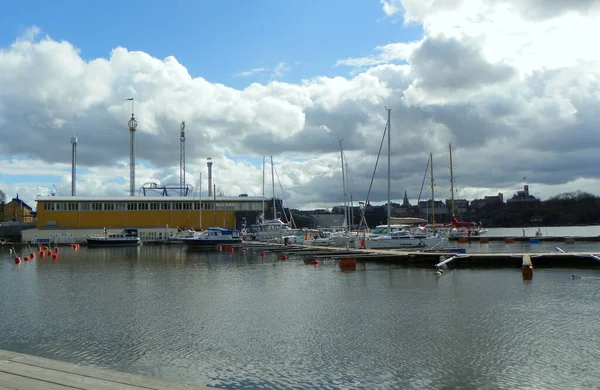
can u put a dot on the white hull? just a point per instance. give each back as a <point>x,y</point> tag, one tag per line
<point>404,243</point>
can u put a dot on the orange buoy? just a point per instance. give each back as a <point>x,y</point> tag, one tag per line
<point>17,260</point>
<point>348,264</point>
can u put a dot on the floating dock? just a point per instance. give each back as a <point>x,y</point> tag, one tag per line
<point>25,372</point>
<point>431,258</point>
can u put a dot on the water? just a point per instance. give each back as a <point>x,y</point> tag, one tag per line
<point>547,231</point>
<point>230,320</point>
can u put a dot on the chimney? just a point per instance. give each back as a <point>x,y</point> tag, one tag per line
<point>209,165</point>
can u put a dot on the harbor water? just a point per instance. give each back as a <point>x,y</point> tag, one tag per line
<point>241,321</point>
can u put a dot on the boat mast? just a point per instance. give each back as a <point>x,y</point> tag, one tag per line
<point>389,189</point>
<point>273,181</point>
<point>451,180</point>
<point>344,186</point>
<point>200,196</point>
<point>263,191</point>
<point>432,192</point>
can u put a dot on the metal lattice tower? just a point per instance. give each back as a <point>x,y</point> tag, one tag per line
<point>182,159</point>
<point>209,165</point>
<point>132,126</point>
<point>73,161</point>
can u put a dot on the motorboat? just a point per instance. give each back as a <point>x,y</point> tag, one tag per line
<point>211,238</point>
<point>127,237</point>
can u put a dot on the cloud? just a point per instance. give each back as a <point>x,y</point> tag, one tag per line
<point>279,70</point>
<point>391,7</point>
<point>250,72</point>
<point>393,52</point>
<point>516,95</point>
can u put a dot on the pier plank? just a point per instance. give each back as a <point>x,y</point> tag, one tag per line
<point>32,370</point>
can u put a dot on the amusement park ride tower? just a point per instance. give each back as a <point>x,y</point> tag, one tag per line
<point>132,126</point>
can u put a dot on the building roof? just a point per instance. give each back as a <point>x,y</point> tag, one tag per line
<point>50,198</point>
<point>21,202</point>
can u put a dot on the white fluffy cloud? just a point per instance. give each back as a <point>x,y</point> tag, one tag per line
<point>513,85</point>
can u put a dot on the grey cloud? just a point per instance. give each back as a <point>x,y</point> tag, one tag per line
<point>445,64</point>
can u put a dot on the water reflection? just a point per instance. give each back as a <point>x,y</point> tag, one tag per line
<point>236,320</point>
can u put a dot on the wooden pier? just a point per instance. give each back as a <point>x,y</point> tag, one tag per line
<point>431,258</point>
<point>25,372</point>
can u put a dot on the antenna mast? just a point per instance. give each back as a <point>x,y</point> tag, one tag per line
<point>182,190</point>
<point>74,161</point>
<point>451,180</point>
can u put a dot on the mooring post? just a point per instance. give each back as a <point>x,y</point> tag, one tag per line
<point>527,267</point>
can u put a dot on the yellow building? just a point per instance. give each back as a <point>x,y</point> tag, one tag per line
<point>89,212</point>
<point>17,211</point>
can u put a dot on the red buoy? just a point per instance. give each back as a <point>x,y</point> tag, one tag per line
<point>56,250</point>
<point>315,261</point>
<point>54,256</point>
<point>32,255</point>
<point>284,257</point>
<point>26,258</point>
<point>42,255</point>
<point>17,260</point>
<point>262,254</point>
<point>49,252</point>
<point>219,248</point>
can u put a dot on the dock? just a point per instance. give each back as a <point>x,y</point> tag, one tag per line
<point>25,372</point>
<point>431,258</point>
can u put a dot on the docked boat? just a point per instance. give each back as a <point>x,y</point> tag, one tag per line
<point>404,239</point>
<point>178,237</point>
<point>401,237</point>
<point>269,230</point>
<point>212,238</point>
<point>127,237</point>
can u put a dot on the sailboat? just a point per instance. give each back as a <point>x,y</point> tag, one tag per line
<point>398,236</point>
<point>460,229</point>
<point>269,229</point>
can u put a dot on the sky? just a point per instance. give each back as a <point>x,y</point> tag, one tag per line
<point>512,85</point>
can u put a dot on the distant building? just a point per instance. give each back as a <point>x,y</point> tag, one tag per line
<point>17,211</point>
<point>442,214</point>
<point>461,206</point>
<point>523,199</point>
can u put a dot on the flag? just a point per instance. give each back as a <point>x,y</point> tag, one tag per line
<point>129,99</point>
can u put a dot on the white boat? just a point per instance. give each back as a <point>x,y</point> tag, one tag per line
<point>404,239</point>
<point>269,230</point>
<point>127,237</point>
<point>306,237</point>
<point>211,238</point>
<point>179,236</point>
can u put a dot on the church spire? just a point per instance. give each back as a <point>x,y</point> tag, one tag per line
<point>405,203</point>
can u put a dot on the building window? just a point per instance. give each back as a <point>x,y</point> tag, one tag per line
<point>154,206</point>
<point>84,206</point>
<point>97,206</point>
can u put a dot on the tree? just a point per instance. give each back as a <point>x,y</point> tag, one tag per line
<point>2,197</point>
